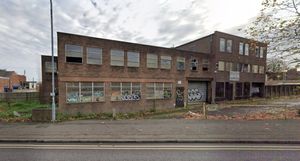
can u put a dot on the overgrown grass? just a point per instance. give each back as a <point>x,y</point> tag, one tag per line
<point>157,114</point>
<point>24,108</point>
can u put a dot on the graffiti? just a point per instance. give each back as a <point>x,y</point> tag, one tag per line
<point>195,95</point>
<point>128,97</point>
<point>179,97</point>
<point>73,97</point>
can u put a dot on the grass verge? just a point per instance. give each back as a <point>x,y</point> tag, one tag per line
<point>23,108</point>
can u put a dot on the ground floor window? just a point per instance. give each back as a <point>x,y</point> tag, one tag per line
<point>158,90</point>
<point>239,89</point>
<point>125,91</point>
<point>246,89</point>
<point>77,92</point>
<point>220,89</point>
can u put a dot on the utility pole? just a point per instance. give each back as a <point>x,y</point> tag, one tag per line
<point>52,52</point>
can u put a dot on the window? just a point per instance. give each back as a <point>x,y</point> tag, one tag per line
<point>158,90</point>
<point>220,89</point>
<point>125,91</point>
<point>229,46</point>
<point>221,65</point>
<point>254,68</point>
<point>84,92</point>
<point>239,67</point>
<point>222,44</point>
<point>261,52</point>
<point>194,64</point>
<point>257,51</point>
<point>133,59</point>
<point>261,69</point>
<point>72,92</point>
<point>241,48</point>
<point>48,67</point>
<point>73,53</point>
<point>115,91</point>
<point>152,61</point>
<point>246,49</point>
<point>205,64</point>
<point>246,68</point>
<point>229,66</point>
<point>94,55</point>
<point>180,63</point>
<point>116,57</point>
<point>165,62</point>
<point>98,92</point>
<point>239,89</point>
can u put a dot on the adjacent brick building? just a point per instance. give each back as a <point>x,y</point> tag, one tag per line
<point>239,65</point>
<point>10,80</point>
<point>99,75</point>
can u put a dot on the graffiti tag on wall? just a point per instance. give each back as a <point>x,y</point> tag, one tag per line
<point>195,95</point>
<point>128,97</point>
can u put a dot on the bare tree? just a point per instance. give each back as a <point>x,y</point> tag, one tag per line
<point>279,25</point>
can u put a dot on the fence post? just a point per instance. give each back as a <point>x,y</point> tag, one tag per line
<point>204,110</point>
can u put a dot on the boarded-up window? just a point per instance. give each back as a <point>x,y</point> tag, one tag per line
<point>133,59</point>
<point>221,65</point>
<point>116,57</point>
<point>94,55</point>
<point>152,61</point>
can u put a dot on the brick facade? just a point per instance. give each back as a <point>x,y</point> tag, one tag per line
<point>199,74</point>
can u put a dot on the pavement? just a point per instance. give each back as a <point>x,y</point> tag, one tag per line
<point>156,131</point>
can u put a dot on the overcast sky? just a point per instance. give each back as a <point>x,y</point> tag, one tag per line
<point>25,24</point>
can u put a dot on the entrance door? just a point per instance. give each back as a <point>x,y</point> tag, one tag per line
<point>228,91</point>
<point>179,97</point>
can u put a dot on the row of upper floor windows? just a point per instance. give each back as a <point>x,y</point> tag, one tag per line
<point>74,54</point>
<point>226,45</point>
<point>240,67</point>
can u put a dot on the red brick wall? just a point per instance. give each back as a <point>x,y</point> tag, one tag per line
<point>69,72</point>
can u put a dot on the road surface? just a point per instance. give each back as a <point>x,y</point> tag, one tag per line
<point>148,152</point>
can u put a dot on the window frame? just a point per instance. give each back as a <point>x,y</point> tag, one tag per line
<point>180,61</point>
<point>121,58</point>
<point>67,52</point>
<point>164,59</point>
<point>133,61</point>
<point>100,54</point>
<point>154,58</point>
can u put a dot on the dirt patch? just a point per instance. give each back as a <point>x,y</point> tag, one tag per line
<point>261,115</point>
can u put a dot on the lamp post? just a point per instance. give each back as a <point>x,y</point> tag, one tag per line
<point>52,62</point>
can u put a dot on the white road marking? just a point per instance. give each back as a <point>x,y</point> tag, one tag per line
<point>198,147</point>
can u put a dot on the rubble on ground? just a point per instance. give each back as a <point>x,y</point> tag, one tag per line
<point>261,115</point>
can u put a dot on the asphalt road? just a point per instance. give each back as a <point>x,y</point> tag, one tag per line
<point>149,152</point>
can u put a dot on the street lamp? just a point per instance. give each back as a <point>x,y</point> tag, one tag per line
<point>52,62</point>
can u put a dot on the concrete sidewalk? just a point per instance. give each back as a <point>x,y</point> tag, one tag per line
<point>169,130</point>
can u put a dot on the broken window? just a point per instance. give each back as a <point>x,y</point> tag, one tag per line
<point>205,65</point>
<point>73,53</point>
<point>194,64</point>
